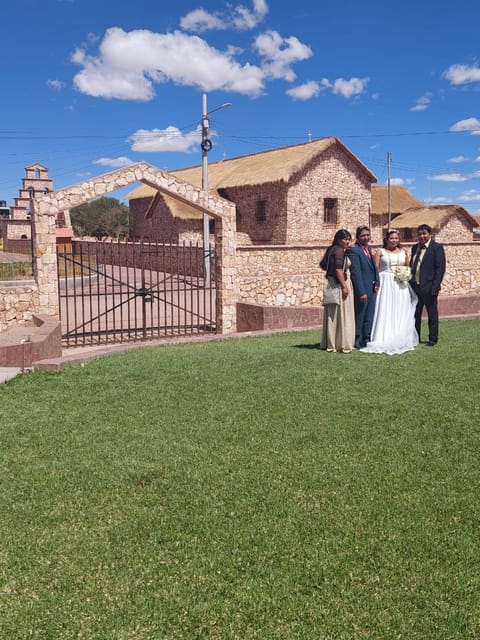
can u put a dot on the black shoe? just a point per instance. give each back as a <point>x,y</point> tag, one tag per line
<point>431,343</point>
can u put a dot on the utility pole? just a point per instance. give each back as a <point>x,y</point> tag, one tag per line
<point>389,198</point>
<point>206,146</point>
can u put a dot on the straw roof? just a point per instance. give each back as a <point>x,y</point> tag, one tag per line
<point>275,165</point>
<point>401,199</point>
<point>435,216</point>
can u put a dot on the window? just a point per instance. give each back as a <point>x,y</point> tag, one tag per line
<point>261,210</point>
<point>31,191</point>
<point>407,234</point>
<point>330,210</point>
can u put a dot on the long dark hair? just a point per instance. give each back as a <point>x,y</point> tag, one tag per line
<point>341,234</point>
<point>390,232</point>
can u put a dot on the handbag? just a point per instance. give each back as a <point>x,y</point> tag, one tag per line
<point>331,296</point>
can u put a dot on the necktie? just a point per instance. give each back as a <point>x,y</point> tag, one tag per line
<point>416,260</point>
<point>366,252</point>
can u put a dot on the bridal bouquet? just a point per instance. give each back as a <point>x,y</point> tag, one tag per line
<point>402,274</point>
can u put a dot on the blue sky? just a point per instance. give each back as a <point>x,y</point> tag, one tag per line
<point>92,86</point>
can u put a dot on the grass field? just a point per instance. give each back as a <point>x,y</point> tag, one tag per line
<point>15,270</point>
<point>245,488</point>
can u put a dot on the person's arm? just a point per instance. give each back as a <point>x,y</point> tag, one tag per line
<point>339,258</point>
<point>376,257</point>
<point>440,265</point>
<point>341,279</point>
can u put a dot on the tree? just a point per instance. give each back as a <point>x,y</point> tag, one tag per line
<point>103,217</point>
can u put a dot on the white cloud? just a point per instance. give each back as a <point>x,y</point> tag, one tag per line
<point>422,103</point>
<point>280,53</point>
<point>472,195</point>
<point>57,85</point>
<point>349,88</point>
<point>129,63</point>
<point>239,18</point>
<point>409,180</point>
<point>450,177</point>
<point>477,159</point>
<point>245,19</point>
<point>346,88</point>
<point>457,159</point>
<point>469,124</point>
<point>396,182</point>
<point>169,139</point>
<point>462,74</point>
<point>122,161</point>
<point>200,20</point>
<point>305,91</point>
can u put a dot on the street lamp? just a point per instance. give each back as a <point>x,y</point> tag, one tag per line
<point>206,145</point>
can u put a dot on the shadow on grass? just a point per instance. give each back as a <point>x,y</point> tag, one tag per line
<point>316,345</point>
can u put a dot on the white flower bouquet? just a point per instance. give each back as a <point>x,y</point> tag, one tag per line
<point>402,273</point>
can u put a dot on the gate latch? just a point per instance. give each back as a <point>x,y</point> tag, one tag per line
<point>146,294</point>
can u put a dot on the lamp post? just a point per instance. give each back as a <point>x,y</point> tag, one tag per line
<point>206,145</point>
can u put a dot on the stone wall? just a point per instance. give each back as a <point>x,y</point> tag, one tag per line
<point>333,175</point>
<point>456,230</point>
<point>162,226</point>
<point>17,304</point>
<point>273,228</point>
<point>290,275</point>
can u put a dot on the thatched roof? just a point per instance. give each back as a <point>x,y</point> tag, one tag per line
<point>435,216</point>
<point>401,199</point>
<point>275,165</point>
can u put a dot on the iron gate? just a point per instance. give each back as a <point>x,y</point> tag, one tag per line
<point>126,291</point>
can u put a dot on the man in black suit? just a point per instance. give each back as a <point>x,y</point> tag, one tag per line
<point>428,268</point>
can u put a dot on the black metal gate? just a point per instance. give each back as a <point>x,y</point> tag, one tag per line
<point>126,291</point>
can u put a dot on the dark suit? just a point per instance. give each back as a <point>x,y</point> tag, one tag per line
<point>432,270</point>
<point>365,281</point>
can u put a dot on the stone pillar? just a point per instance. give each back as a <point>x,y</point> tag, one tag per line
<point>225,273</point>
<point>45,256</point>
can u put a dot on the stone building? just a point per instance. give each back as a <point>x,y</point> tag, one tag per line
<point>400,198</point>
<point>17,230</point>
<point>297,194</point>
<point>450,223</point>
<point>35,182</point>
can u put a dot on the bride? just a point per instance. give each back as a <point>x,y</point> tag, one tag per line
<point>393,329</point>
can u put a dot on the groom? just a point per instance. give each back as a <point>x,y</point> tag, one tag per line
<point>428,268</point>
<point>365,282</point>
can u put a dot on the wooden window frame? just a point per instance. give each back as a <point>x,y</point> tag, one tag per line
<point>330,211</point>
<point>261,213</point>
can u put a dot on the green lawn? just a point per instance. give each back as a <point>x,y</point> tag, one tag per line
<point>244,488</point>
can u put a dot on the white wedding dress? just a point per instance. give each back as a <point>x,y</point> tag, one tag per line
<point>393,329</point>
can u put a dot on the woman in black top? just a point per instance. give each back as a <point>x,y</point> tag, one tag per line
<point>338,320</point>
